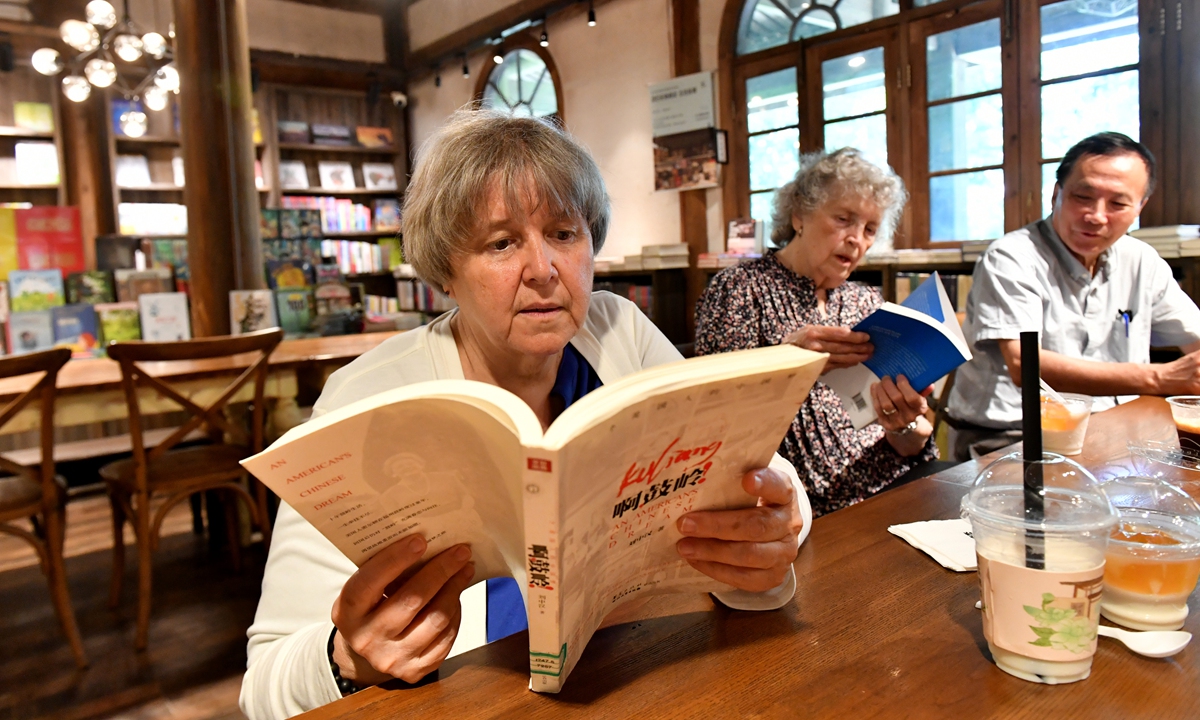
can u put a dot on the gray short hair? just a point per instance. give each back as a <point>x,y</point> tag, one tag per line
<point>455,170</point>
<point>827,175</point>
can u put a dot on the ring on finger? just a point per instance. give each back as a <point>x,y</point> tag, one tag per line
<point>889,412</point>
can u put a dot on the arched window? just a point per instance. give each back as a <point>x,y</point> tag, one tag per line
<point>525,84</point>
<point>770,23</point>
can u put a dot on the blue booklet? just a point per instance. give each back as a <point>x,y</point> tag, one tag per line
<point>919,339</point>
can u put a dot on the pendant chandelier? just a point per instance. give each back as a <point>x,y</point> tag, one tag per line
<point>114,54</point>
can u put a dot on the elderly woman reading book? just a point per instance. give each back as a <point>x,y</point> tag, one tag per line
<point>835,208</point>
<point>505,215</point>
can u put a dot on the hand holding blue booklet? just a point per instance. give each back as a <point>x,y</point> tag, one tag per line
<point>919,339</point>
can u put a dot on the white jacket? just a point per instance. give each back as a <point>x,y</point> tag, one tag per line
<point>287,666</point>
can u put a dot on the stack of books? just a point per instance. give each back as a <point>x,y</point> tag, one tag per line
<point>722,260</point>
<point>663,257</point>
<point>972,250</point>
<point>1171,241</point>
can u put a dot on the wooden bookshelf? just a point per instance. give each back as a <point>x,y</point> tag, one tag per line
<point>339,193</point>
<point>24,84</point>
<point>338,149</point>
<point>668,297</point>
<point>160,146</point>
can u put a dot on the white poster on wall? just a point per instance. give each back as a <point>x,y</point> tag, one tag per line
<point>682,104</point>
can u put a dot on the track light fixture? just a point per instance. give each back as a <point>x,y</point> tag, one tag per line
<point>545,39</point>
<point>591,13</point>
<point>466,70</point>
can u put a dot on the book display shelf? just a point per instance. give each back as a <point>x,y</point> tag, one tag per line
<point>146,167</point>
<point>661,294</point>
<point>31,156</point>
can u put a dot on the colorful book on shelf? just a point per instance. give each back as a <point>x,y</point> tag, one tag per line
<point>256,135</point>
<point>920,339</point>
<point>37,163</point>
<point>336,175</point>
<point>293,131</point>
<point>374,137</point>
<point>332,297</point>
<point>161,219</point>
<point>289,273</point>
<point>75,327</point>
<point>295,307</point>
<point>326,134</point>
<point>251,310</point>
<point>379,176</point>
<point>387,215</point>
<point>4,305</point>
<point>32,290</point>
<point>293,175</point>
<point>583,515</point>
<point>268,223</point>
<point>745,236</point>
<point>9,258</point>
<point>35,116</point>
<point>50,237</point>
<point>119,321</point>
<point>132,171</point>
<point>132,284</point>
<point>164,316</point>
<point>91,287</point>
<point>30,331</point>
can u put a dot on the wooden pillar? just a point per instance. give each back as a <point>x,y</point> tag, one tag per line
<point>224,246</point>
<point>693,204</point>
<point>89,179</point>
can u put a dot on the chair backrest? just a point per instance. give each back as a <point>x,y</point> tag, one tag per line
<point>258,345</point>
<point>47,362</point>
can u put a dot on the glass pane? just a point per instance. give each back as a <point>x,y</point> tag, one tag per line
<point>1073,110</point>
<point>966,134</point>
<point>1049,171</point>
<point>771,101</point>
<point>770,23</point>
<point>544,101</point>
<point>774,158</point>
<point>760,209</point>
<point>767,24</point>
<point>853,84</point>
<point>857,12</point>
<point>969,206</point>
<point>493,99</point>
<point>816,21</point>
<point>963,61</point>
<point>516,81</point>
<point>868,134</point>
<point>1082,37</point>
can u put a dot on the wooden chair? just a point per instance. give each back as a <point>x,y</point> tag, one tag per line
<point>175,474</point>
<point>36,492</point>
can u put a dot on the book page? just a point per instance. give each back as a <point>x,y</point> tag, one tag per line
<point>626,481</point>
<point>442,467</point>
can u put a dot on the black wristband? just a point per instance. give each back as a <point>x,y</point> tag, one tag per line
<point>345,687</point>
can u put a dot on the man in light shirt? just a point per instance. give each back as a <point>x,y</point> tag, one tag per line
<point>1099,299</point>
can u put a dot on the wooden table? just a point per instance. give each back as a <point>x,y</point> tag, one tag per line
<point>876,629</point>
<point>89,390</point>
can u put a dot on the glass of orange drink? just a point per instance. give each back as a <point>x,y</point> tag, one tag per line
<point>1064,424</point>
<point>1153,558</point>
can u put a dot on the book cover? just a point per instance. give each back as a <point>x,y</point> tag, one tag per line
<point>920,339</point>
<point>309,223</point>
<point>328,273</point>
<point>332,297</point>
<point>256,135</point>
<point>131,284</point>
<point>9,259</point>
<point>268,223</point>
<point>119,107</point>
<point>582,515</point>
<point>177,175</point>
<point>3,302</point>
<point>323,134</point>
<point>30,331</point>
<point>37,163</point>
<point>289,223</point>
<point>75,326</point>
<point>251,310</point>
<point>31,290</point>
<point>161,219</point>
<point>336,175</point>
<point>132,171</point>
<point>92,287</point>
<point>374,137</point>
<point>164,316</point>
<point>289,273</point>
<point>387,214</point>
<point>35,116</point>
<point>379,176</point>
<point>293,131</point>
<point>745,236</point>
<point>293,175</point>
<point>50,237</point>
<point>119,322</point>
<point>295,308</point>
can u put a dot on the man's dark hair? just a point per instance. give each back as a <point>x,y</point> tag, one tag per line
<point>1107,143</point>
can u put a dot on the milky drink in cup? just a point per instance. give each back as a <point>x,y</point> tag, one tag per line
<point>1153,559</point>
<point>1041,579</point>
<point>1064,425</point>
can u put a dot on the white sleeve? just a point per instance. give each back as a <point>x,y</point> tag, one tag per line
<point>287,662</point>
<point>776,597</point>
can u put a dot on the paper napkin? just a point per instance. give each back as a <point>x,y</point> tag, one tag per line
<point>947,541</point>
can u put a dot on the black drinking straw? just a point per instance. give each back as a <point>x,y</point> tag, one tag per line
<point>1031,423</point>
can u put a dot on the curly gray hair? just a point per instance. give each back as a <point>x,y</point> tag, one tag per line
<point>827,175</point>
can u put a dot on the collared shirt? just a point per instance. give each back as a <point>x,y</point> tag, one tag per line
<point>1029,280</point>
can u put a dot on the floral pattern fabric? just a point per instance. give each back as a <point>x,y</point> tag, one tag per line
<point>757,304</point>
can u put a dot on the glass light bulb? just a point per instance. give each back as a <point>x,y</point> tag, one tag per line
<point>47,61</point>
<point>79,35</point>
<point>128,47</point>
<point>154,45</point>
<point>133,123</point>
<point>498,59</point>
<point>167,78</point>
<point>155,97</point>
<point>101,13</point>
<point>100,72</point>
<point>76,88</point>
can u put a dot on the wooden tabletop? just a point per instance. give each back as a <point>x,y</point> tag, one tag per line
<point>876,629</point>
<point>102,373</point>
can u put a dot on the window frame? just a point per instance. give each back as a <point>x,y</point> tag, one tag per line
<point>510,45</point>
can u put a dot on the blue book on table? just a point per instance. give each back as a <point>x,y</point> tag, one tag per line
<point>919,339</point>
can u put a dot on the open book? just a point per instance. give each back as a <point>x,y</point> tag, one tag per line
<point>919,339</point>
<point>583,515</point>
